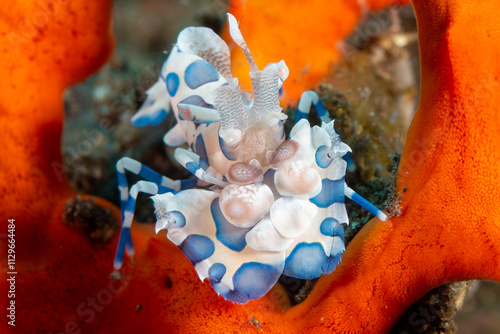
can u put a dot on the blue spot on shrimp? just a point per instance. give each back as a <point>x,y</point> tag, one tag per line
<point>260,205</point>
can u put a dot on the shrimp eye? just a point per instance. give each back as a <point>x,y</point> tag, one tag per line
<point>323,156</point>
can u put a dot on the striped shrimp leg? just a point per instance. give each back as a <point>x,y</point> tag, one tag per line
<point>154,184</point>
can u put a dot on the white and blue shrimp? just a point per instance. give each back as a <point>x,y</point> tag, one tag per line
<point>269,206</point>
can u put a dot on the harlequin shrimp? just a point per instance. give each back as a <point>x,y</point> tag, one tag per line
<point>260,206</point>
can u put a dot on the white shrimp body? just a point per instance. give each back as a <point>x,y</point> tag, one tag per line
<point>273,206</point>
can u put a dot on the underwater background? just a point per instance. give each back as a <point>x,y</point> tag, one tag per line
<point>371,90</point>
